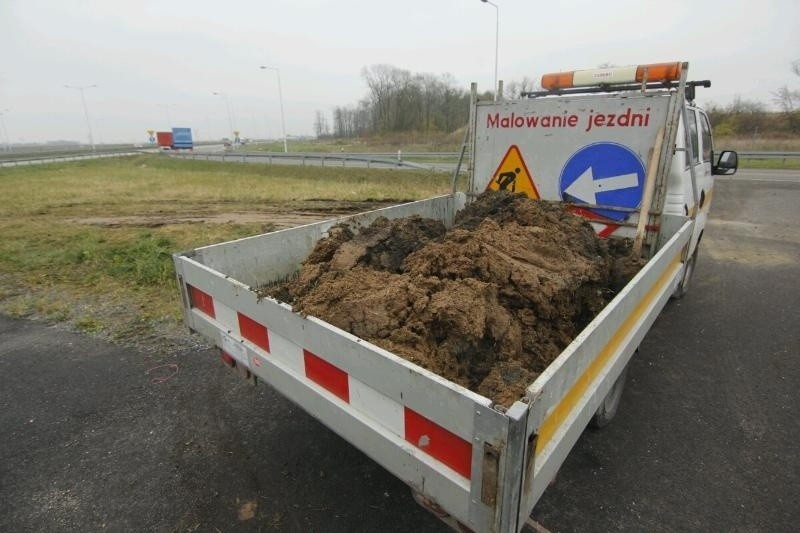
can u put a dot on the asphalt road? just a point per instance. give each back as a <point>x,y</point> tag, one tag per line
<point>707,434</point>
<point>97,437</point>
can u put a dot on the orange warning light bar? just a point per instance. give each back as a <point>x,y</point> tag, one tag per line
<point>557,80</point>
<point>606,76</point>
<point>659,72</point>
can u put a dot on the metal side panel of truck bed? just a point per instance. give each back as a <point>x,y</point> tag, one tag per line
<point>567,394</point>
<point>485,467</point>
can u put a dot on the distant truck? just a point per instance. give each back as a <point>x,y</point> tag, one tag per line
<point>182,139</point>
<point>164,139</point>
<point>625,148</point>
<point>177,139</point>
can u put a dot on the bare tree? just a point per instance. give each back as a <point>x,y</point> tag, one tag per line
<point>399,101</point>
<point>788,100</point>
<point>515,89</point>
<point>320,124</point>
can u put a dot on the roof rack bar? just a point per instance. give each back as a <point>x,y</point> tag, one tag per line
<point>614,88</point>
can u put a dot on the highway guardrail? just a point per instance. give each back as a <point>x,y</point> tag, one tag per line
<point>16,162</point>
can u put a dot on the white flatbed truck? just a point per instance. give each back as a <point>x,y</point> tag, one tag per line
<point>614,145</point>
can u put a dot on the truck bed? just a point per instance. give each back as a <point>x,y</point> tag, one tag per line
<point>486,466</point>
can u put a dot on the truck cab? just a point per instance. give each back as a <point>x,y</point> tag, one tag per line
<point>694,161</point>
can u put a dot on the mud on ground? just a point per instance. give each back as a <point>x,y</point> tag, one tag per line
<point>272,215</point>
<point>487,304</point>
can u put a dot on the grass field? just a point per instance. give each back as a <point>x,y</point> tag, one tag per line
<point>89,243</point>
<point>788,164</point>
<point>761,145</point>
<point>758,144</point>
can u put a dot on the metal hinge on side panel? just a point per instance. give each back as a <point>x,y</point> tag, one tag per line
<point>491,472</point>
<point>513,471</point>
<point>488,451</point>
<point>498,450</point>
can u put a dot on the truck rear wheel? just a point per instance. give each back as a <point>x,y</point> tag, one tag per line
<point>605,413</point>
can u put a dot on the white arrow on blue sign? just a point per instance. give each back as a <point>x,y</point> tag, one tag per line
<point>604,174</point>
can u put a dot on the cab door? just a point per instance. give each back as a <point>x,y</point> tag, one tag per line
<point>698,132</point>
<point>705,178</point>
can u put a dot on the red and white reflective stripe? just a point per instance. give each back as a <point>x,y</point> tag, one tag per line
<point>412,426</point>
<point>253,331</point>
<point>604,228</point>
<point>437,442</point>
<point>377,406</point>
<point>327,375</point>
<point>202,301</point>
<point>226,316</point>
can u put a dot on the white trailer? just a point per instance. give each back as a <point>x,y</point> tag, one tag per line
<point>611,143</point>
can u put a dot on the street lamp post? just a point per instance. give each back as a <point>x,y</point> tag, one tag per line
<point>82,88</point>
<point>5,129</point>
<point>280,99</point>
<point>496,42</point>
<point>228,107</point>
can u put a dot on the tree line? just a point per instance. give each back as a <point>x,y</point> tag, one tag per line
<point>746,118</point>
<point>399,101</point>
<point>749,118</point>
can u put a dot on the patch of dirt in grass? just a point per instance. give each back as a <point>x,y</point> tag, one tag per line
<point>276,216</point>
<point>124,317</point>
<point>488,304</point>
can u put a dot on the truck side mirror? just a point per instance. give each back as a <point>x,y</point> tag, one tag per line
<point>727,163</point>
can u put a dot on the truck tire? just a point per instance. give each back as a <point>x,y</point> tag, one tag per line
<point>605,413</point>
<point>688,273</point>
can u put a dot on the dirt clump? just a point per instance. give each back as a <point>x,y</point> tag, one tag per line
<point>487,304</point>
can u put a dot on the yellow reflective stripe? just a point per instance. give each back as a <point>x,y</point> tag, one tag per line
<point>568,402</point>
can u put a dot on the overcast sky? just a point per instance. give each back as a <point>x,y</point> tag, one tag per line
<point>160,60</point>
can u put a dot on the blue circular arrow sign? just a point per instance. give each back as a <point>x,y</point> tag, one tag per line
<point>604,174</point>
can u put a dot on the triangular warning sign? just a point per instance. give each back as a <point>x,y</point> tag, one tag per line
<point>513,175</point>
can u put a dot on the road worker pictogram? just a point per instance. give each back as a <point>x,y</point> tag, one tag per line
<point>512,175</point>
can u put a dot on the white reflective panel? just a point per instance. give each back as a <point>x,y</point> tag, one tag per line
<point>382,409</point>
